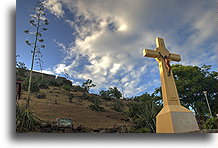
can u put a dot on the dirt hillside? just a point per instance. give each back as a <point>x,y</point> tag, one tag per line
<point>55,104</point>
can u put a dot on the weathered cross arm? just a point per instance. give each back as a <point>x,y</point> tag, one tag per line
<point>155,54</point>
<point>175,57</point>
<point>150,53</point>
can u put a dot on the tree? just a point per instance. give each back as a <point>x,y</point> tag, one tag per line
<point>115,93</point>
<point>87,85</point>
<point>21,65</point>
<point>112,93</point>
<point>191,81</point>
<point>105,94</point>
<point>38,23</point>
<point>121,86</point>
<point>20,69</point>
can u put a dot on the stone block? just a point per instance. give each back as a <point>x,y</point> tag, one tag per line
<point>176,119</point>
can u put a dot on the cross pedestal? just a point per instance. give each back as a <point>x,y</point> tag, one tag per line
<point>173,118</point>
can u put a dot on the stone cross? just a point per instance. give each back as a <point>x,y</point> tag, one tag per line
<point>173,118</point>
<point>163,57</point>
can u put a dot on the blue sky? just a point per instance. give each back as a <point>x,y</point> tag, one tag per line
<point>103,40</point>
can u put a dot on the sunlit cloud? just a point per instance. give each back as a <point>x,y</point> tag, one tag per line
<point>55,7</point>
<point>109,37</point>
<point>123,27</point>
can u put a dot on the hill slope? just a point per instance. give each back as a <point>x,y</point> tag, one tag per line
<point>56,102</point>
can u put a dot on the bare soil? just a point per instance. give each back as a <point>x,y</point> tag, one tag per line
<point>56,105</point>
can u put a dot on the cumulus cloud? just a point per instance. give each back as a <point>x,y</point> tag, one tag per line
<point>110,36</point>
<point>55,7</point>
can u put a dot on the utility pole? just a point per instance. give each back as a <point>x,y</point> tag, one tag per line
<point>205,94</point>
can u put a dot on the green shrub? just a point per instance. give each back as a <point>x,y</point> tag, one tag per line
<point>21,72</point>
<point>71,95</point>
<point>97,108</point>
<point>64,81</point>
<point>117,106</point>
<point>20,78</point>
<point>105,94</point>
<point>67,87</point>
<point>211,123</point>
<point>41,96</point>
<point>21,69</point>
<point>70,98</point>
<point>143,130</point>
<point>126,129</point>
<point>96,105</point>
<point>59,82</point>
<point>37,83</point>
<point>53,82</point>
<point>43,85</point>
<point>112,93</point>
<point>77,88</point>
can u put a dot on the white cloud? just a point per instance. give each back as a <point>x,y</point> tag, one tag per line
<point>115,68</point>
<point>60,68</point>
<point>46,71</point>
<point>110,36</point>
<point>55,7</point>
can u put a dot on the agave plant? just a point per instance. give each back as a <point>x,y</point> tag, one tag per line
<point>25,120</point>
<point>143,112</point>
<point>147,113</point>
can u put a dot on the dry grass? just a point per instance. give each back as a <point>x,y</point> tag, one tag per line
<point>78,110</point>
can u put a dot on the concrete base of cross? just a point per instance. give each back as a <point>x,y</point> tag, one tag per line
<point>175,119</point>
